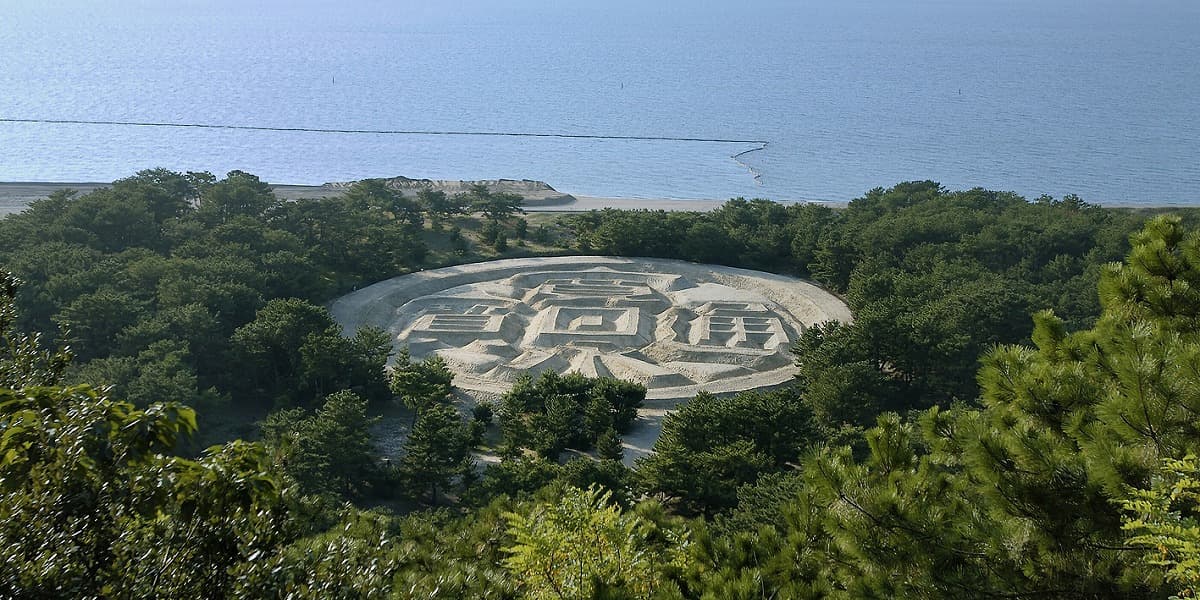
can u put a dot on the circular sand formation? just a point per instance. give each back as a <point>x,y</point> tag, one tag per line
<point>676,327</point>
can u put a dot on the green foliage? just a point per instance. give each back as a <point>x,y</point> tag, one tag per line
<point>173,286</point>
<point>768,501</point>
<point>607,474</point>
<point>495,206</point>
<point>452,557</point>
<point>127,274</point>
<point>367,555</point>
<point>329,451</point>
<point>93,320</point>
<point>483,412</point>
<point>708,243</point>
<point>517,477</point>
<point>1163,519</point>
<point>437,451</point>
<point>23,361</point>
<point>1023,497</point>
<point>608,445</point>
<point>934,277</point>
<point>751,233</point>
<point>240,194</point>
<point>94,505</point>
<point>489,232</point>
<point>458,243</point>
<point>294,353</point>
<point>840,387</point>
<point>229,515</point>
<point>193,326</point>
<point>423,384</point>
<point>91,502</point>
<point>582,546</point>
<point>557,412</point>
<point>439,206</point>
<point>712,445</point>
<point>160,372</point>
<point>349,243</point>
<point>374,195</point>
<point>631,233</point>
<point>533,477</point>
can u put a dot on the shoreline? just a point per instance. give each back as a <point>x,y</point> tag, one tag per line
<point>15,196</point>
<point>588,203</point>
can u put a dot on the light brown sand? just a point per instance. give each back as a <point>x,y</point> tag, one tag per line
<point>15,196</point>
<point>586,203</point>
<point>385,304</point>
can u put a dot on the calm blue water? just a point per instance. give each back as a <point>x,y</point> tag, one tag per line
<point>1098,97</point>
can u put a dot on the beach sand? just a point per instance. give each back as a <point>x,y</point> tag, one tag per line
<point>15,196</point>
<point>586,203</point>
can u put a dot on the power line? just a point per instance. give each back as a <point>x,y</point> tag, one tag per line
<point>652,138</point>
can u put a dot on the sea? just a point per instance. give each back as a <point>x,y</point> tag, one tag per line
<point>817,100</point>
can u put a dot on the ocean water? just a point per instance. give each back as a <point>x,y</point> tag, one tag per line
<point>1099,98</point>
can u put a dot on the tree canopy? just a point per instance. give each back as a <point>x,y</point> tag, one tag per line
<point>942,445</point>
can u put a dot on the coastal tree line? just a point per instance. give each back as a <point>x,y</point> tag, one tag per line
<point>1010,415</point>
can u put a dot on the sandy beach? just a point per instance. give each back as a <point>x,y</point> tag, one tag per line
<point>539,197</point>
<point>586,203</point>
<point>15,196</point>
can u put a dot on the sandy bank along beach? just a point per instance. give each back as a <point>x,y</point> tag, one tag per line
<point>539,196</point>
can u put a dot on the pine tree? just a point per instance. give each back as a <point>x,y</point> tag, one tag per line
<point>608,446</point>
<point>329,451</point>
<point>1165,520</point>
<point>582,546</point>
<point>421,384</point>
<point>1023,497</point>
<point>23,361</point>
<point>437,450</point>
